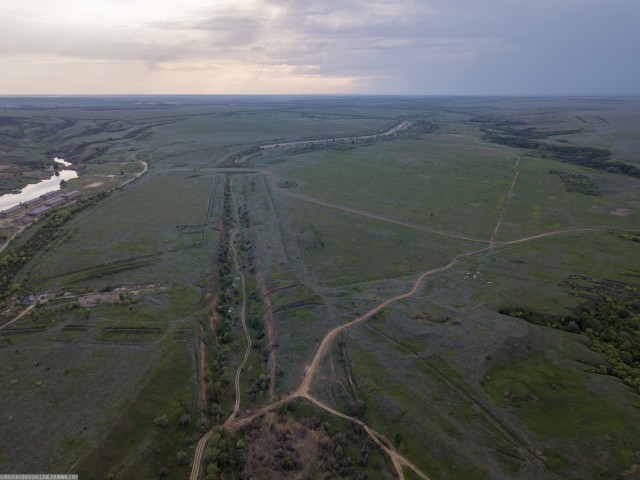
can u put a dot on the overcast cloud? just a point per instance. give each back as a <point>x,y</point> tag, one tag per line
<point>331,46</point>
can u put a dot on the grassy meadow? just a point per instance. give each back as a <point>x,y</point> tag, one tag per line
<point>124,332</point>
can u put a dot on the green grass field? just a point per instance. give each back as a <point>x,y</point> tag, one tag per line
<point>460,390</point>
<point>450,183</point>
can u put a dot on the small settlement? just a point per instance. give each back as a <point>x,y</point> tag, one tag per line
<point>27,211</point>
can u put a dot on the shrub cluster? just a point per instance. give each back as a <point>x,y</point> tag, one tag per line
<point>610,318</point>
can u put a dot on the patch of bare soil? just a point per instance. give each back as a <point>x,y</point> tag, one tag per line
<point>93,299</point>
<point>117,295</point>
<point>633,472</point>
<point>7,167</point>
<point>621,212</point>
<point>94,185</point>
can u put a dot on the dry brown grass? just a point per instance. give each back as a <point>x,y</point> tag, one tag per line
<point>621,212</point>
<point>281,447</point>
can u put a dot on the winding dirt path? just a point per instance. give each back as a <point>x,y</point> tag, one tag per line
<point>10,239</point>
<point>19,316</point>
<point>398,460</point>
<point>197,457</point>
<point>22,228</point>
<point>303,391</point>
<point>243,320</point>
<point>145,167</point>
<point>304,387</point>
<point>243,311</point>
<point>560,232</point>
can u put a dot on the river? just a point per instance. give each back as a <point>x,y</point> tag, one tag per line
<point>34,190</point>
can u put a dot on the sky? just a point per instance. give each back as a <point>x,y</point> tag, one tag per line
<point>423,47</point>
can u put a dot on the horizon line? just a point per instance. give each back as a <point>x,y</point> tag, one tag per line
<point>486,95</point>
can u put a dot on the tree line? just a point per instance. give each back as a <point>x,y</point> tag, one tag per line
<point>610,318</point>
<point>504,133</point>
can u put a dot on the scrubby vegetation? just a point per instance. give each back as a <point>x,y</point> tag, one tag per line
<point>319,234</point>
<point>610,318</point>
<point>217,374</point>
<point>504,133</point>
<point>577,182</point>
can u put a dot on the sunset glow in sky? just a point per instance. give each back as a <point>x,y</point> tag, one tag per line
<point>299,46</point>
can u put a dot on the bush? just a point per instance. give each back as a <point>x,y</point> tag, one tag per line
<point>161,421</point>
<point>182,458</point>
<point>185,419</point>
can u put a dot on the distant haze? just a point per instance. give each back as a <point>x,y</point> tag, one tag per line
<point>502,47</point>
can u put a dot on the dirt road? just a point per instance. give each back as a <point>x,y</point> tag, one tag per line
<point>506,201</point>
<point>396,458</point>
<point>15,234</point>
<point>197,458</point>
<point>21,229</point>
<point>304,387</point>
<point>243,320</point>
<point>364,213</point>
<point>22,314</point>
<point>302,391</point>
<point>145,167</point>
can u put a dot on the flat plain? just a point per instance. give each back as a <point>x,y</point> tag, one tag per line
<point>454,299</point>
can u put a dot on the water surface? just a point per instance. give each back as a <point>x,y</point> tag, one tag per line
<point>34,190</point>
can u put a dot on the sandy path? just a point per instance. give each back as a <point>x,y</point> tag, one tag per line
<point>22,314</point>
<point>145,167</point>
<point>197,457</point>
<point>15,234</point>
<point>304,387</point>
<point>243,320</point>
<point>396,458</point>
